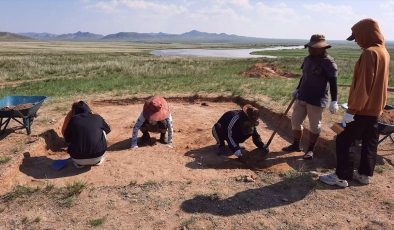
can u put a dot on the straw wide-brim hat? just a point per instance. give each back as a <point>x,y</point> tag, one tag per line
<point>156,109</point>
<point>317,41</point>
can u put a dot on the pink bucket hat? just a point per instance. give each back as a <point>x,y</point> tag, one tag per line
<point>156,109</point>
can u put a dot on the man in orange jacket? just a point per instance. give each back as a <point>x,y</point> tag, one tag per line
<point>367,98</point>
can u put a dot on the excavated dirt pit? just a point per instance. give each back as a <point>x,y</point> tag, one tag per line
<point>193,157</point>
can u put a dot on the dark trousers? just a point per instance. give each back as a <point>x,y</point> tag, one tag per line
<point>218,134</point>
<point>159,127</point>
<point>364,128</point>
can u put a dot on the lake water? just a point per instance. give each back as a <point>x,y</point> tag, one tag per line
<point>224,53</point>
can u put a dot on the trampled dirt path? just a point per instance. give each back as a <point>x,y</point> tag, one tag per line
<point>188,186</point>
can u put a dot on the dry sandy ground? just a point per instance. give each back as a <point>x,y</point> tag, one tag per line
<point>186,187</point>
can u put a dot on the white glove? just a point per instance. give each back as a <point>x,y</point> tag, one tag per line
<point>334,107</point>
<point>347,118</point>
<point>238,153</point>
<point>295,93</point>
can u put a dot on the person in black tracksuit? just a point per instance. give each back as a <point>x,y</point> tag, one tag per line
<point>236,127</point>
<point>86,135</point>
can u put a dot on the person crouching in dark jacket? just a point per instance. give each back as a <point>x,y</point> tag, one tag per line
<point>85,134</point>
<point>236,127</point>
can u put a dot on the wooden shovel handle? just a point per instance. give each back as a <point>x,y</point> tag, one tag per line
<point>280,122</point>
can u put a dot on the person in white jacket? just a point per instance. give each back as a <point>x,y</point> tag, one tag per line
<point>155,118</point>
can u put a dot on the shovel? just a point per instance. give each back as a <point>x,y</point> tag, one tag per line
<point>279,123</point>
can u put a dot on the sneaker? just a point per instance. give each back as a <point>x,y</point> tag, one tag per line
<point>101,161</point>
<point>332,179</point>
<point>308,155</point>
<point>362,179</point>
<point>292,148</point>
<point>77,165</point>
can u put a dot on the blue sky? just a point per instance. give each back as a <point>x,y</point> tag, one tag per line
<point>258,18</point>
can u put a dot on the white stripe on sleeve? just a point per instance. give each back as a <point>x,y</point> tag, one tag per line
<point>230,130</point>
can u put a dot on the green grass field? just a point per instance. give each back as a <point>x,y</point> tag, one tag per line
<point>71,69</point>
<point>345,57</point>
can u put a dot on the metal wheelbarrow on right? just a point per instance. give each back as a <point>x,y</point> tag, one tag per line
<point>385,129</point>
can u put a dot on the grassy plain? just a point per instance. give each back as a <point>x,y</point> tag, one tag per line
<point>64,69</point>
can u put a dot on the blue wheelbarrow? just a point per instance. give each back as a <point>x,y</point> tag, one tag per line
<point>385,129</point>
<point>22,109</point>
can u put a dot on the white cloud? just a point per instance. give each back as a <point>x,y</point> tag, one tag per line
<point>280,12</point>
<point>106,6</point>
<point>230,3</point>
<point>387,4</point>
<point>387,9</point>
<point>337,10</point>
<point>114,5</point>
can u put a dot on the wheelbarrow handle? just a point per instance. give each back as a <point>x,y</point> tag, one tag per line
<point>280,122</point>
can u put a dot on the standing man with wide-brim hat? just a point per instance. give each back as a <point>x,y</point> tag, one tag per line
<point>155,118</point>
<point>319,75</point>
<point>367,98</point>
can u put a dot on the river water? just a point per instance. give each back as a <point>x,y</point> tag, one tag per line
<point>224,53</point>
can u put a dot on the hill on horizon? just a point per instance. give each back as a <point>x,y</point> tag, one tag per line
<point>6,36</point>
<point>193,36</point>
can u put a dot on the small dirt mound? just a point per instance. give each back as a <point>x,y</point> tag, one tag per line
<point>17,107</point>
<point>267,71</point>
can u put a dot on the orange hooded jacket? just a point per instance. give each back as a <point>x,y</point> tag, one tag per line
<point>368,92</point>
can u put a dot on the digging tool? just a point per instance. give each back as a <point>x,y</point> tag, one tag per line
<point>279,124</point>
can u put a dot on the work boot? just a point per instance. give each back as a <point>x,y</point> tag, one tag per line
<point>295,147</point>
<point>163,138</point>
<point>312,142</point>
<point>145,139</point>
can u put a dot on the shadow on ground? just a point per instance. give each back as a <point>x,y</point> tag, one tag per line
<point>126,144</point>
<point>207,157</point>
<point>279,194</point>
<point>53,141</point>
<point>9,131</point>
<point>40,168</point>
<point>119,146</point>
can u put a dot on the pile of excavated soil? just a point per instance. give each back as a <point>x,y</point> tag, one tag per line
<point>17,107</point>
<point>387,117</point>
<point>267,71</point>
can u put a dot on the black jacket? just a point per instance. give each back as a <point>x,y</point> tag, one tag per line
<point>85,136</point>
<point>235,127</point>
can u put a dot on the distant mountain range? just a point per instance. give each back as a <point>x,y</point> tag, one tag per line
<point>193,36</point>
<point>78,36</point>
<point>5,36</point>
